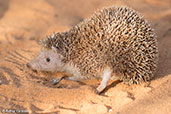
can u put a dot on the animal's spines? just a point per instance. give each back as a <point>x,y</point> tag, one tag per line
<point>131,33</point>
<point>49,41</point>
<point>116,36</point>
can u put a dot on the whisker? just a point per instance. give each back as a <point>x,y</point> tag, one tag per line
<point>21,55</point>
<point>19,58</point>
<point>28,51</point>
<point>14,62</point>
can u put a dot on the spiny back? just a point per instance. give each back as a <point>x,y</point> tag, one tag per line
<point>117,37</point>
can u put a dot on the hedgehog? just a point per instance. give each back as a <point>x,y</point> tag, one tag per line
<point>114,43</point>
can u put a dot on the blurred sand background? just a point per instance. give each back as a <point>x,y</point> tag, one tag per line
<point>24,22</point>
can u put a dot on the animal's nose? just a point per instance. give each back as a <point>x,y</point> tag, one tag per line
<point>28,65</point>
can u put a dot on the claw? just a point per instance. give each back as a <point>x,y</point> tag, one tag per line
<point>99,90</point>
<point>57,80</point>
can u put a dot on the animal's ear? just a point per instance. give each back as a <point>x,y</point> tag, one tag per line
<point>54,49</point>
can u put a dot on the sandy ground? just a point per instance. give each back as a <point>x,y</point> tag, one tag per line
<point>24,22</point>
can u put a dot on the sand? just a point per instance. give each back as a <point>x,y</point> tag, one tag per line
<point>24,22</point>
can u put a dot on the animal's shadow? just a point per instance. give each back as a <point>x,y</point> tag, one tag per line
<point>164,47</point>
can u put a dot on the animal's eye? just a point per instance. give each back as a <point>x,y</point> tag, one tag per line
<point>47,59</point>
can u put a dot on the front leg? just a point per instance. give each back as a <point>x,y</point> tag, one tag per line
<point>73,78</point>
<point>106,77</point>
<point>57,80</point>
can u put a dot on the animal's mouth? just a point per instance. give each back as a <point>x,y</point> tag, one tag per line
<point>34,70</point>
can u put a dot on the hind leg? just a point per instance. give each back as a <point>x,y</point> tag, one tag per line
<point>106,77</point>
<point>116,76</point>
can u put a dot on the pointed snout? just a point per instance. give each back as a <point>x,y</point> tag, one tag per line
<point>28,65</point>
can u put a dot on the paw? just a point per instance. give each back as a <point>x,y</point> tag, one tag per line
<point>56,81</point>
<point>99,90</point>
